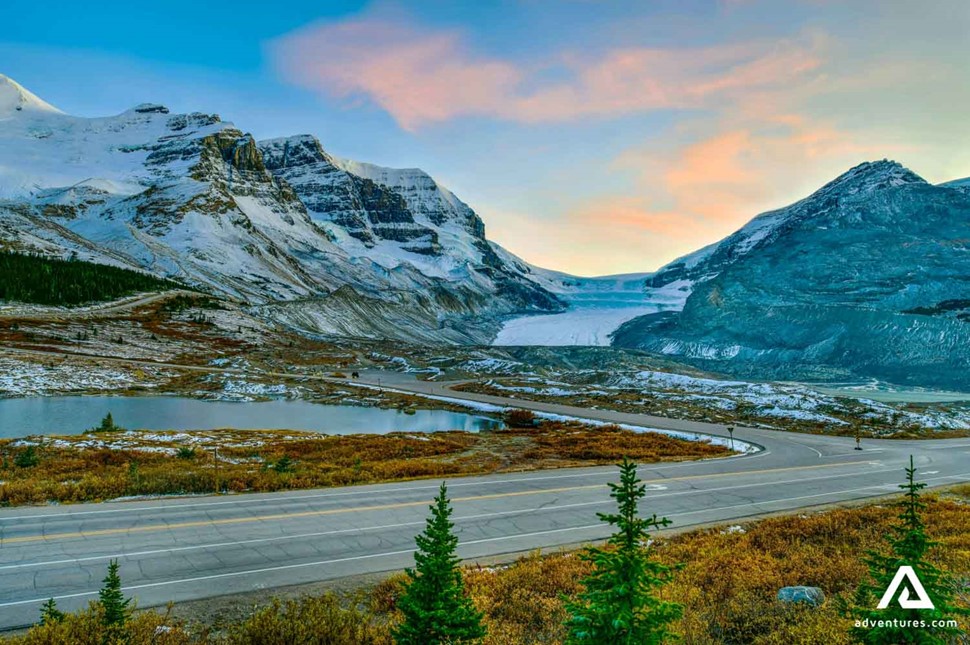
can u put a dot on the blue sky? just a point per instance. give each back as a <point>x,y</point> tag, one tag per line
<point>591,137</point>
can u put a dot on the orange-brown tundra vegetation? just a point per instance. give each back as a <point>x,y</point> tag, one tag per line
<point>108,465</point>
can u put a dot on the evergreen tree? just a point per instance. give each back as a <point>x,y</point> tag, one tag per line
<point>107,425</point>
<point>619,604</point>
<point>435,607</point>
<point>49,613</point>
<point>908,545</point>
<point>32,278</point>
<point>116,607</point>
<point>26,458</point>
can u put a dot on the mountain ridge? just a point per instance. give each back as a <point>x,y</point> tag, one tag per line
<point>193,197</point>
<point>864,279</point>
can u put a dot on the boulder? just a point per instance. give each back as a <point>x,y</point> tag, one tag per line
<point>810,595</point>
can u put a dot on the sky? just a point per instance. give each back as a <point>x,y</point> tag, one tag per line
<point>591,137</point>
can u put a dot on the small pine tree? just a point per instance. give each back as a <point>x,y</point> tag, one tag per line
<point>283,465</point>
<point>26,458</point>
<point>908,545</point>
<point>49,613</point>
<point>435,607</point>
<point>116,607</point>
<point>108,422</point>
<point>619,604</point>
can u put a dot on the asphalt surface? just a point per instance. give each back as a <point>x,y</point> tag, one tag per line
<point>200,547</point>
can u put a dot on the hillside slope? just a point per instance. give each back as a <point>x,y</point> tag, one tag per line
<point>868,278</point>
<point>279,225</point>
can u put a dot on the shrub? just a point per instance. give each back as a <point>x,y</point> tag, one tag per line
<point>86,627</point>
<point>283,465</point>
<point>309,620</point>
<point>519,418</point>
<point>26,458</point>
<point>185,452</point>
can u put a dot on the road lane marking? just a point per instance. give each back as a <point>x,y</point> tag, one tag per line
<point>376,528</point>
<point>219,545</point>
<point>391,488</point>
<point>407,551</point>
<point>278,516</point>
<point>286,567</point>
<point>892,487</point>
<point>379,507</point>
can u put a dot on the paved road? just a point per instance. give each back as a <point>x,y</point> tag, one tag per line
<point>202,547</point>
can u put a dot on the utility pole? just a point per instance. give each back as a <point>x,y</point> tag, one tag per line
<point>215,465</point>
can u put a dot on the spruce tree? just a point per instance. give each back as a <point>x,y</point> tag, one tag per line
<point>49,613</point>
<point>116,607</point>
<point>107,424</point>
<point>435,606</point>
<point>908,545</point>
<point>619,604</point>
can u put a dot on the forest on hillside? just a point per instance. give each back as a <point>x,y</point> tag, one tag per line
<point>48,281</point>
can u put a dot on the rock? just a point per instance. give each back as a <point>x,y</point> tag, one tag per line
<point>864,279</point>
<point>325,245</point>
<point>809,595</point>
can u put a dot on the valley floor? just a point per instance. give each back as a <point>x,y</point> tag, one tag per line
<point>196,346</point>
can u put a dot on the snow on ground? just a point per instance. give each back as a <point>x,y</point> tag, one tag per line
<point>21,378</point>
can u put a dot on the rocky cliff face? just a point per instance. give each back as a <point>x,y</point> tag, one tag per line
<point>399,217</point>
<point>281,224</point>
<point>869,277</point>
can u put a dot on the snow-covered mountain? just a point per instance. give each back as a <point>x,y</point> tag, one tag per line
<point>709,261</point>
<point>865,278</point>
<point>325,245</point>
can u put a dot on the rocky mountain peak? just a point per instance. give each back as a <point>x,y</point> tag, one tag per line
<point>15,98</point>
<point>149,108</point>
<point>295,151</point>
<point>868,176</point>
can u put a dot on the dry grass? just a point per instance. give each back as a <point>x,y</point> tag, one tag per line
<point>727,586</point>
<point>111,465</point>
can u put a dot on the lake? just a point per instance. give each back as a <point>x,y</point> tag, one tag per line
<point>20,417</point>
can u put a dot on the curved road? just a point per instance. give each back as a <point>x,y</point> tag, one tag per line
<point>191,548</point>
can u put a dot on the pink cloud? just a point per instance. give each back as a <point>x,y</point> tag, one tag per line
<point>421,76</point>
<point>418,78</point>
<point>716,183</point>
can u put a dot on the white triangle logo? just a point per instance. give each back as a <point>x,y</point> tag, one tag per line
<point>906,572</point>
